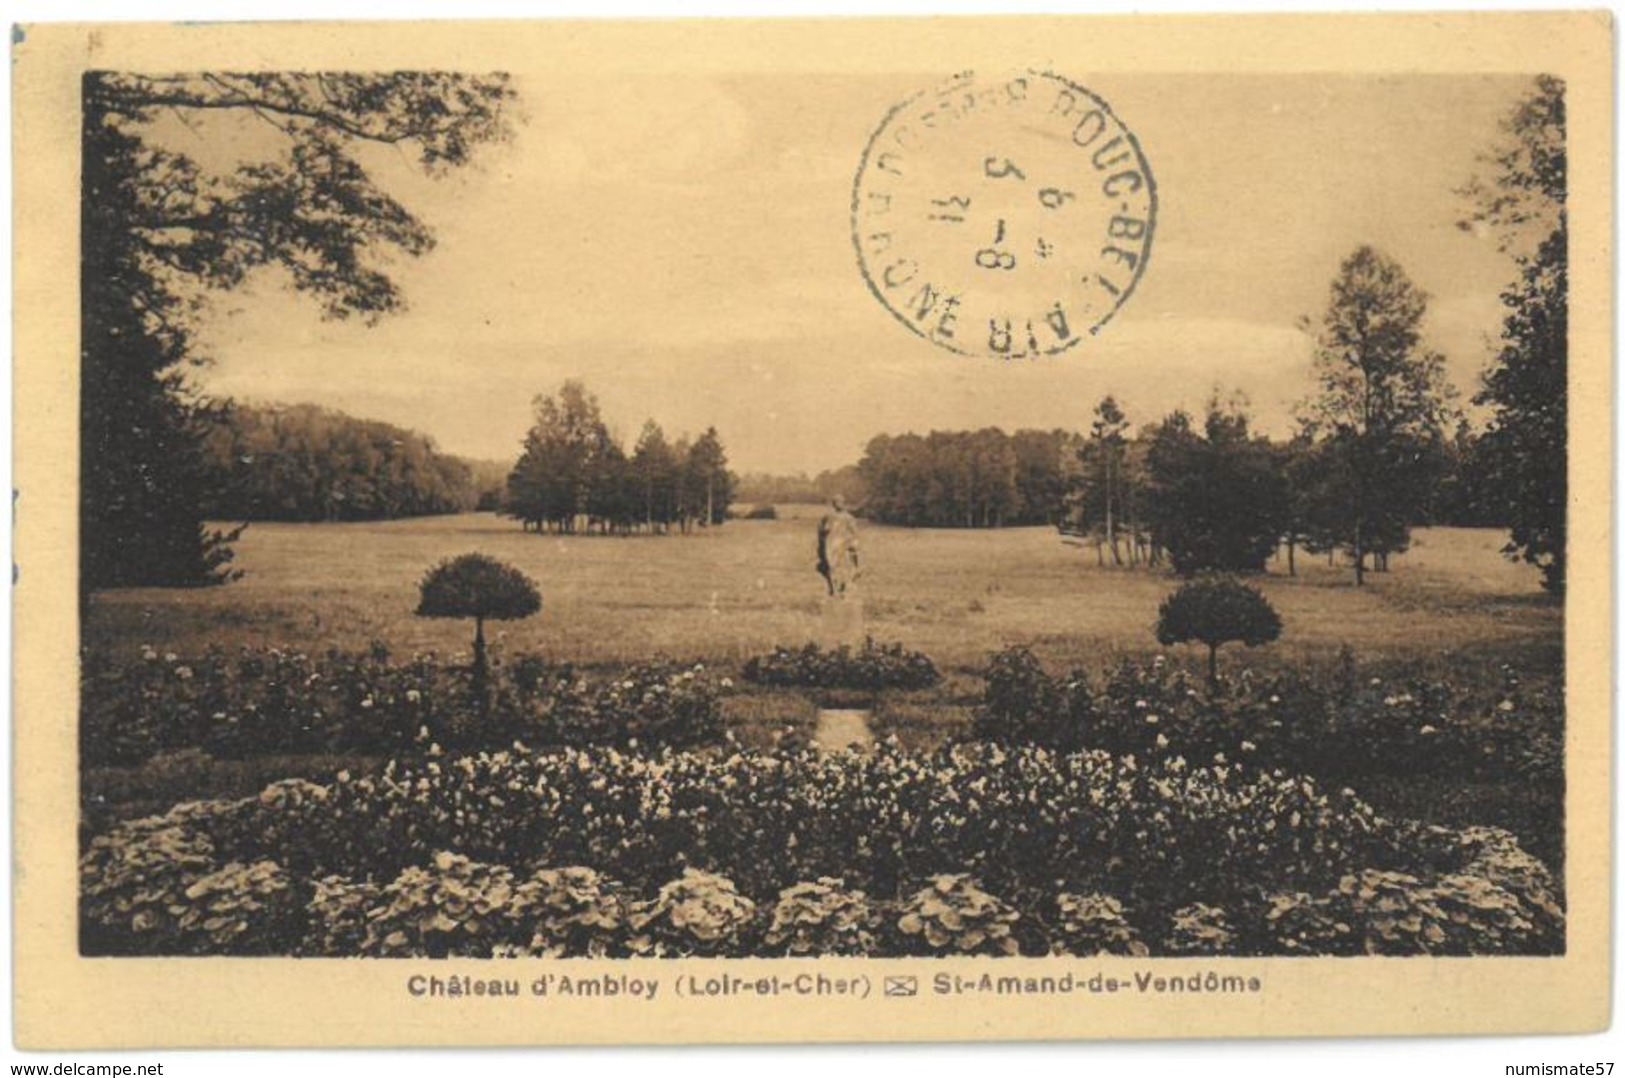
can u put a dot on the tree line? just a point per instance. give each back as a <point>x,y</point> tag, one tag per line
<point>967,479</point>
<point>1367,462</point>
<point>306,463</point>
<point>1205,492</point>
<point>1380,449</point>
<point>160,230</point>
<point>574,476</point>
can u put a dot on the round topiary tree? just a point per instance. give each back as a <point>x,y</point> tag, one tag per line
<point>1216,611</point>
<point>478,587</point>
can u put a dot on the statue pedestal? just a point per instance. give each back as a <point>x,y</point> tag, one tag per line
<point>841,621</point>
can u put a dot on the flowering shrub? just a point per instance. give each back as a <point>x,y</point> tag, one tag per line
<point>874,666</point>
<point>571,911</point>
<point>887,819</point>
<point>133,887</point>
<point>780,853</point>
<point>820,918</point>
<point>240,910</point>
<point>1299,923</point>
<point>336,917</point>
<point>271,701</point>
<point>952,915</point>
<point>453,909</point>
<point>659,703</point>
<point>1200,929</point>
<point>1024,705</point>
<point>1459,914</point>
<point>700,913</point>
<point>1094,924</point>
<point>1340,727</point>
<point>1495,855</point>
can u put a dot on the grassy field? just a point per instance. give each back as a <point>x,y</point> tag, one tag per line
<point>730,592</point>
<point>1452,606</point>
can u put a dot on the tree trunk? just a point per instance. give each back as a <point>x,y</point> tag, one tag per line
<point>1359,558</point>
<point>1213,664</point>
<point>480,673</point>
<point>1111,516</point>
<point>1291,558</point>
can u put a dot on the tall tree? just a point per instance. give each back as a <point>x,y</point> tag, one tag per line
<point>1525,448</point>
<point>610,498</point>
<point>991,461</point>
<point>1467,496</point>
<point>1217,497</point>
<point>553,478</point>
<point>1106,452</point>
<point>711,485</point>
<point>1382,406</point>
<point>574,468</point>
<point>1042,460</point>
<point>1295,462</point>
<point>655,469</point>
<point>159,229</point>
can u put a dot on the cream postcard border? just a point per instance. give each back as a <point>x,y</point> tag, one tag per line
<point>65,1001</point>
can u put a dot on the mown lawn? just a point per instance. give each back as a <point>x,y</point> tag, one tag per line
<point>1452,607</point>
<point>730,592</point>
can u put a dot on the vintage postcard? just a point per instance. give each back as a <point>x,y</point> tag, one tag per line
<point>812,530</point>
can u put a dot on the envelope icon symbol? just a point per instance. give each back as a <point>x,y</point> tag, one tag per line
<point>902,986</point>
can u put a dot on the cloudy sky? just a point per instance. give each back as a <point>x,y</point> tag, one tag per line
<point>682,245</point>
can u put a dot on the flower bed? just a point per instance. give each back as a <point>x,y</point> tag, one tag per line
<point>978,850</point>
<point>872,667</point>
<point>269,701</point>
<point>1337,725</point>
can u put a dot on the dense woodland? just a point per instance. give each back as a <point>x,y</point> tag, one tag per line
<point>968,479</point>
<point>304,463</point>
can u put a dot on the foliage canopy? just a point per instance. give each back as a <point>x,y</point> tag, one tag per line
<point>1217,499</point>
<point>477,586</point>
<point>1525,448</point>
<point>1381,414</point>
<point>160,228</point>
<point>1216,611</point>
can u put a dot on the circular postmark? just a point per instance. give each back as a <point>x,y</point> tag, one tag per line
<point>1008,217</point>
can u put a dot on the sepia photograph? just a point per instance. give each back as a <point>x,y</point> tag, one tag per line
<point>1113,522</point>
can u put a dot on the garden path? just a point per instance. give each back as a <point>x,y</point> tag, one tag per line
<point>840,729</point>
